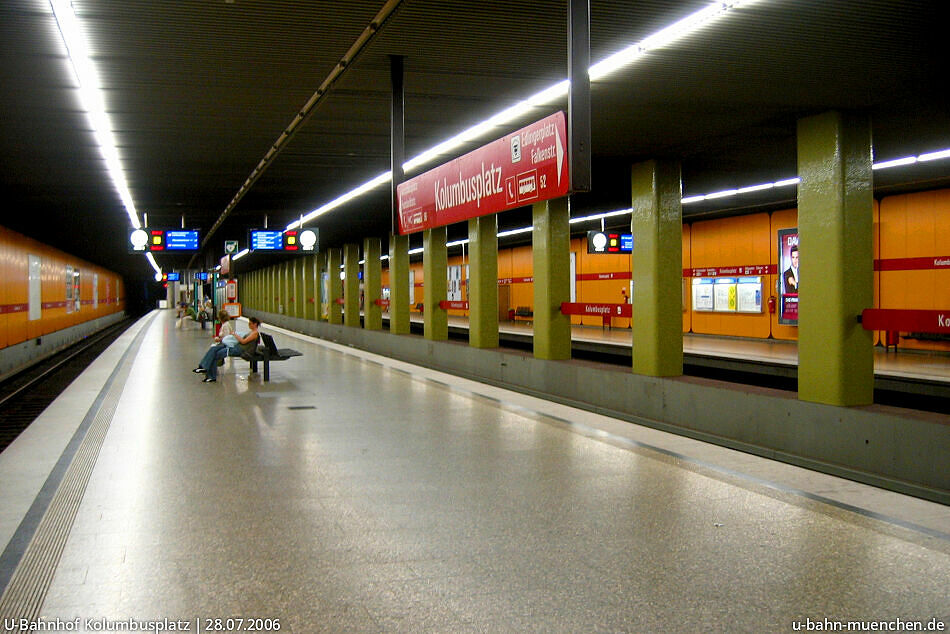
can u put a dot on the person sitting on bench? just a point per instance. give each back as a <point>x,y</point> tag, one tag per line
<point>232,346</point>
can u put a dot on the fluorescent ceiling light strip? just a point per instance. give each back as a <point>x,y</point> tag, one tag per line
<point>457,243</point>
<point>513,232</point>
<point>382,179</point>
<point>544,97</point>
<point>894,163</point>
<point>91,97</point>
<point>755,188</point>
<point>609,214</point>
<point>933,156</point>
<point>661,38</point>
<point>151,260</point>
<point>722,194</point>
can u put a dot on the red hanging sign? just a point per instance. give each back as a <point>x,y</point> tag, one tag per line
<point>522,168</point>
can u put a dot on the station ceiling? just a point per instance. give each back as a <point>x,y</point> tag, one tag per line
<point>198,91</point>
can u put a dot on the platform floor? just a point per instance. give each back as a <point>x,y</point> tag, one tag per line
<point>358,493</point>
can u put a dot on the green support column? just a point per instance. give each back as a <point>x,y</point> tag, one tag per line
<point>260,292</point>
<point>309,287</point>
<point>835,225</point>
<point>271,283</point>
<point>551,246</point>
<point>398,284</point>
<point>372,284</point>
<point>351,286</point>
<point>657,226</point>
<point>300,297</point>
<point>318,295</point>
<point>435,269</point>
<point>286,288</point>
<point>336,286</point>
<point>483,281</point>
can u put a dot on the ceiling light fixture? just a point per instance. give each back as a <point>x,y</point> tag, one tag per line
<point>90,96</point>
<point>549,95</point>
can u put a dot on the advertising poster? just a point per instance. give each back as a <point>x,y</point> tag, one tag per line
<point>324,295</point>
<point>788,276</point>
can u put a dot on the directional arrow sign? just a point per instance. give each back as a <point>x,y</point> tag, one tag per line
<point>522,168</point>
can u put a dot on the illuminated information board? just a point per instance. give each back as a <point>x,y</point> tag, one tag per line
<point>181,240</point>
<point>150,240</point>
<point>267,240</point>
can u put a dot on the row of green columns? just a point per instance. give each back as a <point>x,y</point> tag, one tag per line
<point>835,228</point>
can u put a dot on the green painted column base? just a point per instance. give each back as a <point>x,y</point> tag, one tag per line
<point>351,285</point>
<point>835,229</point>
<point>334,260</point>
<point>372,284</point>
<point>551,250</point>
<point>657,226</point>
<point>483,281</point>
<point>435,272</point>
<point>398,284</point>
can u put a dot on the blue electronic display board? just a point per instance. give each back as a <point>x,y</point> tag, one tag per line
<point>181,240</point>
<point>267,240</point>
<point>174,276</point>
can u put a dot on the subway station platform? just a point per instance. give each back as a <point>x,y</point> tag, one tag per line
<point>353,492</point>
<point>897,364</point>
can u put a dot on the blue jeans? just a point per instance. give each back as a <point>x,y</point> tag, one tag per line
<point>210,361</point>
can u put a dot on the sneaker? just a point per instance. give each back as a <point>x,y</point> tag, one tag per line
<point>199,370</point>
<point>208,379</point>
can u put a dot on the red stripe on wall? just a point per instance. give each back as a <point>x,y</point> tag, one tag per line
<point>620,275</point>
<point>13,308</point>
<point>729,271</point>
<point>913,264</point>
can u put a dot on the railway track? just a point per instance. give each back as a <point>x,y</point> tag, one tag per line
<point>26,394</point>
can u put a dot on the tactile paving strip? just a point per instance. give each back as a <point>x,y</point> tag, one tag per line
<point>24,594</point>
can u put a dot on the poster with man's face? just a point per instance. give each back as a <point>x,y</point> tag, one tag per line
<point>788,259</point>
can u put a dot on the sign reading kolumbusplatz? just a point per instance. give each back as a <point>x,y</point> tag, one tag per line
<point>522,168</point>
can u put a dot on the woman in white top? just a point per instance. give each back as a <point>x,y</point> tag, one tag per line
<point>228,343</point>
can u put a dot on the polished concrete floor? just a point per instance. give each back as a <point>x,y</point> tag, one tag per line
<point>356,493</point>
